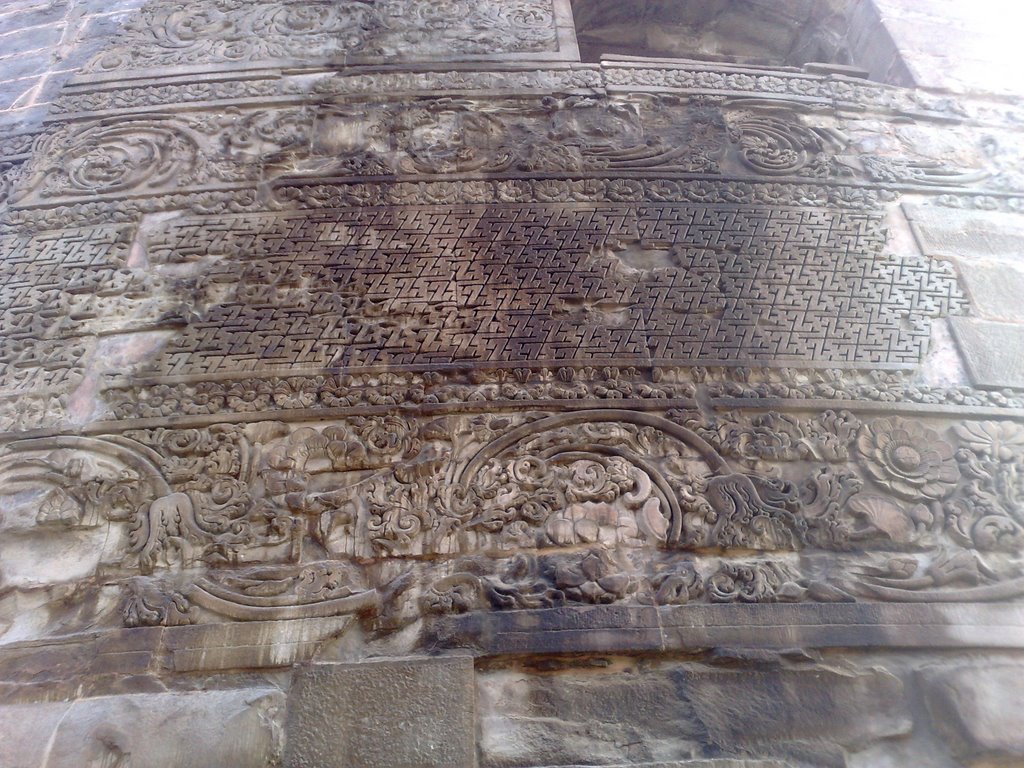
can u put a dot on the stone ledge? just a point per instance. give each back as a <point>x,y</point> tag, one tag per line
<point>638,629</point>
<point>724,763</point>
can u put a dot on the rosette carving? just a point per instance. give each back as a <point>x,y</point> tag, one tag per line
<point>908,458</point>
<point>130,156</point>
<point>776,147</point>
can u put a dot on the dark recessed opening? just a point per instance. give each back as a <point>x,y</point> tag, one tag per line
<point>838,35</point>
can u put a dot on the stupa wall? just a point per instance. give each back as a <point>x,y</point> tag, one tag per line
<point>404,384</point>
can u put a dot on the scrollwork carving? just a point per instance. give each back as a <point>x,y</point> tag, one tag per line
<point>173,33</point>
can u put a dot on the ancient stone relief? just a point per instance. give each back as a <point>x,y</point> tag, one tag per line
<point>229,32</point>
<point>396,516</point>
<point>401,344</point>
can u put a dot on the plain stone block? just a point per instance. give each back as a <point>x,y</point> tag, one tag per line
<point>996,289</point>
<point>406,713</point>
<point>24,745</point>
<point>23,16</point>
<point>993,352</point>
<point>979,711</point>
<point>953,233</point>
<point>17,66</point>
<point>846,708</point>
<point>237,728</point>
<point>672,711</point>
<point>31,39</point>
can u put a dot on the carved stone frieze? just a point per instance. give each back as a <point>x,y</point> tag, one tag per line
<point>347,330</point>
<point>229,32</point>
<point>591,135</point>
<point>397,516</point>
<point>158,154</point>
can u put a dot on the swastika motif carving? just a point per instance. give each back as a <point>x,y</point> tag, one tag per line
<point>427,285</point>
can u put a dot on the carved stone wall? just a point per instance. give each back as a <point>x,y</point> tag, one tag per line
<point>382,385</point>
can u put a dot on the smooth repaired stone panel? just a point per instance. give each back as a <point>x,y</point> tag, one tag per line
<point>640,712</point>
<point>952,233</point>
<point>994,352</point>
<point>996,289</point>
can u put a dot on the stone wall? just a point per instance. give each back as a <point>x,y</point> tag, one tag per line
<point>381,384</point>
<point>45,42</point>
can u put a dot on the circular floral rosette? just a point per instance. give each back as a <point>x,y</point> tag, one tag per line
<point>908,458</point>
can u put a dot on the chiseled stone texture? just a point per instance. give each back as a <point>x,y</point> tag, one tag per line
<point>980,711</point>
<point>959,46</point>
<point>403,713</point>
<point>237,728</point>
<point>636,714</point>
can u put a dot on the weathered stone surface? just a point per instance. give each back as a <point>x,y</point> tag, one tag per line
<point>980,711</point>
<point>993,352</point>
<point>43,44</point>
<point>403,713</point>
<point>995,289</point>
<point>238,728</point>
<point>844,707</point>
<point>334,330</point>
<point>638,714</point>
<point>27,731</point>
<point>251,645</point>
<point>971,235</point>
<point>964,48</point>
<point>778,627</point>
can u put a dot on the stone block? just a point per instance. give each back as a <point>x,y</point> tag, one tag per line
<point>675,711</point>
<point>754,707</point>
<point>17,17</point>
<point>996,289</point>
<point>408,713</point>
<point>22,65</point>
<point>250,644</point>
<point>31,39</point>
<point>952,233</point>
<point>237,728</point>
<point>15,93</point>
<point>979,711</point>
<point>993,352</point>
<point>588,716</point>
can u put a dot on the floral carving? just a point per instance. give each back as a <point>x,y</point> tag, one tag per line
<point>128,155</point>
<point>991,517</point>
<point>594,578</point>
<point>761,582</point>
<point>777,147</point>
<point>174,32</point>
<point>148,605</point>
<point>910,459</point>
<point>1002,441</point>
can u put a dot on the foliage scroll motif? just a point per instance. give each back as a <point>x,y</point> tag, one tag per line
<point>225,32</point>
<point>389,516</point>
